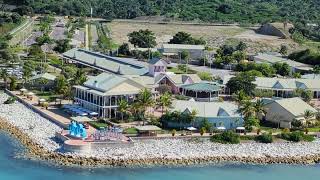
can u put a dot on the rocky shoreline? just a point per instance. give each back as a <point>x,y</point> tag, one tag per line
<point>37,134</point>
<point>37,152</point>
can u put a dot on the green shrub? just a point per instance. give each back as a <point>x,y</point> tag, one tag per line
<point>10,100</point>
<point>265,138</point>
<point>308,138</point>
<point>247,138</point>
<point>296,136</point>
<point>227,137</point>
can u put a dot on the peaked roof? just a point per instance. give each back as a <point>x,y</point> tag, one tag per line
<point>296,106</point>
<point>105,82</point>
<point>178,79</point>
<point>282,83</point>
<point>156,60</point>
<point>207,109</point>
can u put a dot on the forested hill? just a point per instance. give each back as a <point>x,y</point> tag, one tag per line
<point>243,11</point>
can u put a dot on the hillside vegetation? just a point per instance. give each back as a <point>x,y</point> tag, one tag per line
<point>244,11</point>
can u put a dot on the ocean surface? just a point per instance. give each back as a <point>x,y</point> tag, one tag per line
<point>13,168</point>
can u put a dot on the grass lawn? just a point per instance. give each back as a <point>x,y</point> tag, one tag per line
<point>314,129</point>
<point>47,95</point>
<point>178,71</point>
<point>98,125</point>
<point>273,130</point>
<point>131,131</point>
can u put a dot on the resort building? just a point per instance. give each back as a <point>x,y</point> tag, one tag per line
<point>219,114</point>
<point>196,51</point>
<point>102,93</point>
<point>175,81</point>
<point>202,91</point>
<point>282,87</point>
<point>283,111</point>
<point>104,63</point>
<point>44,81</point>
<point>157,66</point>
<point>272,59</point>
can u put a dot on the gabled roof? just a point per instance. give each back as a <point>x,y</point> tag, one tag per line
<point>282,83</point>
<point>156,60</point>
<point>178,79</point>
<point>207,109</point>
<point>47,76</point>
<point>124,66</point>
<point>296,106</point>
<point>109,82</point>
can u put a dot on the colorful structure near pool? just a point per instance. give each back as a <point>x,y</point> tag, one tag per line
<point>77,129</point>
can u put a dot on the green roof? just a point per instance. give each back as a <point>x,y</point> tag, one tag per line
<point>202,86</point>
<point>104,81</point>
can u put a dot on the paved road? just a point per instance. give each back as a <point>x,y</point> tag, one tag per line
<point>32,38</point>
<point>215,72</point>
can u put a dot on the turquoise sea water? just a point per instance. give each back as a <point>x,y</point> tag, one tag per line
<point>17,169</point>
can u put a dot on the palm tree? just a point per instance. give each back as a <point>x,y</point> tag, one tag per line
<point>123,107</point>
<point>247,109</point>
<point>240,97</point>
<point>4,75</point>
<point>43,82</point>
<point>80,77</point>
<point>316,70</point>
<point>165,101</point>
<point>308,114</point>
<point>193,115</point>
<point>145,100</point>
<point>258,106</point>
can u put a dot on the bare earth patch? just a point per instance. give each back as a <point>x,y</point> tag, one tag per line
<point>214,35</point>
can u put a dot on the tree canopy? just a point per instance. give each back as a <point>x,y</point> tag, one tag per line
<point>142,38</point>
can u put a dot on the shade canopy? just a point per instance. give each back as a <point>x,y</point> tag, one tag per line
<point>23,89</point>
<point>30,93</point>
<point>42,100</point>
<point>240,128</point>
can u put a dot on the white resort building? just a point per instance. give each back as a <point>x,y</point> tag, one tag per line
<point>102,93</point>
<point>283,87</point>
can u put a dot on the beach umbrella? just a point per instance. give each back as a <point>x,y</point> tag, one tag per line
<point>30,93</point>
